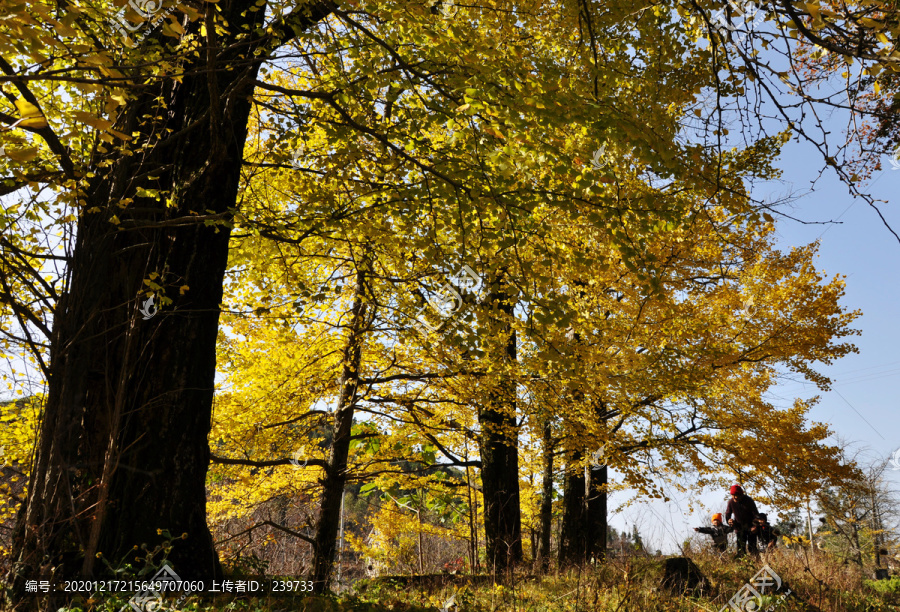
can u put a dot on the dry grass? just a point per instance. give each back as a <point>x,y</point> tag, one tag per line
<point>817,582</point>
<point>632,584</point>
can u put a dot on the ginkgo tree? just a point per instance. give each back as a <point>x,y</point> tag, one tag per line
<point>476,149</point>
<point>694,255</point>
<point>698,370</point>
<point>127,131</point>
<point>660,380</point>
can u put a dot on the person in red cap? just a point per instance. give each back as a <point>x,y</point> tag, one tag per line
<point>740,514</point>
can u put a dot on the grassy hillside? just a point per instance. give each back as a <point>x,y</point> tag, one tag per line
<point>817,583</point>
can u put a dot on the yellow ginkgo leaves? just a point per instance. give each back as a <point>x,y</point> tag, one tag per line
<point>31,116</point>
<point>103,125</point>
<point>19,155</point>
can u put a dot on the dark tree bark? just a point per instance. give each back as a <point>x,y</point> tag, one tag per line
<point>548,447</point>
<point>499,448</point>
<point>572,539</point>
<point>583,535</point>
<point>122,450</point>
<point>596,514</point>
<point>584,528</point>
<point>500,483</point>
<point>336,467</point>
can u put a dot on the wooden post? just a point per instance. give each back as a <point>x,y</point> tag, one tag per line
<point>419,517</point>
<point>809,527</point>
<point>473,534</point>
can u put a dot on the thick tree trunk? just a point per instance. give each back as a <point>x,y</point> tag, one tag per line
<point>336,468</point>
<point>122,450</point>
<point>584,529</point>
<point>573,537</point>
<point>500,483</point>
<point>548,447</point>
<point>596,514</point>
<point>499,450</point>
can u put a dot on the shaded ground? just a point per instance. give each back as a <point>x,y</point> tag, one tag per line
<point>816,583</point>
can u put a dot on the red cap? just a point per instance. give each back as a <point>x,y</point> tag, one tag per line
<point>735,488</point>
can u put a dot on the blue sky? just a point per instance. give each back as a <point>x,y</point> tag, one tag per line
<point>863,403</point>
<point>864,251</point>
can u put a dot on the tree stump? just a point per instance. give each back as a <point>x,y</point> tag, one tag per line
<point>683,576</point>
